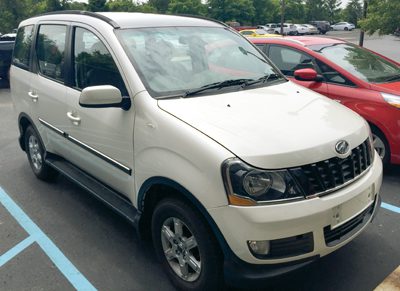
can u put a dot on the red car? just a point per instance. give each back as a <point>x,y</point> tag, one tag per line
<point>360,79</point>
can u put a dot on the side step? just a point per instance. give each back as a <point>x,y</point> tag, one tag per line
<point>102,192</point>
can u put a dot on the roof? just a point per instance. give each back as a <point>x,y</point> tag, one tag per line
<point>129,20</point>
<point>301,40</point>
<point>135,20</point>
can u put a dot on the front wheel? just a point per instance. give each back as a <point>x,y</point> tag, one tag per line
<point>186,247</point>
<point>381,145</point>
<point>35,152</point>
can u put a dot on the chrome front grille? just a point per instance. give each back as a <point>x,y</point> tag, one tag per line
<point>323,176</point>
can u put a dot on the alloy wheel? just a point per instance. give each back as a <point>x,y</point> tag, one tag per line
<point>181,249</point>
<point>379,145</point>
<point>35,152</point>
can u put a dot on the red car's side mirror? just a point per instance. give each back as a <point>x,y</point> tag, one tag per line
<point>307,75</point>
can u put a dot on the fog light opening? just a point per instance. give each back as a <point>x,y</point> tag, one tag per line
<point>259,247</point>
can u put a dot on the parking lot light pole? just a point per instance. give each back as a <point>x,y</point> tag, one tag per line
<point>282,15</point>
<point>361,42</point>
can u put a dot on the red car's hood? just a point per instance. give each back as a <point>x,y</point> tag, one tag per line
<point>392,88</point>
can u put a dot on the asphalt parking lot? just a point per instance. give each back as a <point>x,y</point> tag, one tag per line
<point>55,236</point>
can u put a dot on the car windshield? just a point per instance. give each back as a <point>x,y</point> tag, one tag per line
<point>174,61</point>
<point>360,62</point>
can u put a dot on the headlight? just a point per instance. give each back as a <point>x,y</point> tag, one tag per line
<point>246,185</point>
<point>393,100</point>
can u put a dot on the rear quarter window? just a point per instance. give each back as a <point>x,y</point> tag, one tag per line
<point>22,48</point>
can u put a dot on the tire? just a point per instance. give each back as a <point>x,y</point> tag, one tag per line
<point>35,152</point>
<point>381,145</point>
<point>346,29</point>
<point>180,233</point>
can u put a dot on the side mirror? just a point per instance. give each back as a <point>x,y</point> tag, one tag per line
<point>103,97</point>
<point>307,75</point>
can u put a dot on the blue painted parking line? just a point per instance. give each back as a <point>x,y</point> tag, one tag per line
<point>16,250</point>
<point>390,207</point>
<point>76,278</point>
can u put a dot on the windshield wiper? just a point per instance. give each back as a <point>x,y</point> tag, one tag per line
<point>263,79</point>
<point>393,78</point>
<point>217,85</point>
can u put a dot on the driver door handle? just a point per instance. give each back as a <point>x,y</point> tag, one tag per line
<point>33,96</point>
<point>76,120</point>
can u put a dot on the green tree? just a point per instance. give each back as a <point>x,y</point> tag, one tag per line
<point>193,7</point>
<point>53,5</point>
<point>382,16</point>
<point>240,10</point>
<point>146,8</point>
<point>316,10</point>
<point>97,5</point>
<point>295,11</point>
<point>333,9</point>
<point>160,5</point>
<point>121,5</point>
<point>353,11</point>
<point>12,12</point>
<point>73,5</point>
<point>265,11</point>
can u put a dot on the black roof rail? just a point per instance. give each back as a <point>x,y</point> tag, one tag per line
<point>87,13</point>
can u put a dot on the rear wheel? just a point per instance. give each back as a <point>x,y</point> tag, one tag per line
<point>35,152</point>
<point>186,247</point>
<point>381,145</point>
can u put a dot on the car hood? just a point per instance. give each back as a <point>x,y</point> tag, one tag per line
<point>393,87</point>
<point>273,127</point>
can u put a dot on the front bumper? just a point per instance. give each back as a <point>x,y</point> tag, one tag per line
<point>351,207</point>
<point>242,274</point>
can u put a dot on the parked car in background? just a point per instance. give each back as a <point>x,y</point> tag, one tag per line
<point>288,28</point>
<point>343,26</point>
<point>267,29</point>
<point>322,25</point>
<point>311,29</point>
<point>300,29</point>
<point>8,37</point>
<point>360,79</point>
<point>6,48</point>
<point>256,33</point>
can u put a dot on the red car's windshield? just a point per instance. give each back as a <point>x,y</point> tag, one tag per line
<point>360,62</point>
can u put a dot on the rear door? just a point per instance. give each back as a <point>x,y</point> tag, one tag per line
<point>21,70</point>
<point>47,89</point>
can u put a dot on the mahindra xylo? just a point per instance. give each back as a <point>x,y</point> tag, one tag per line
<point>186,129</point>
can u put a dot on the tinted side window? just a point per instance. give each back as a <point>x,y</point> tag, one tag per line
<point>333,76</point>
<point>289,60</point>
<point>93,63</point>
<point>22,48</point>
<point>50,48</point>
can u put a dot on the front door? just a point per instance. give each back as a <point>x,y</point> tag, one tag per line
<point>101,139</point>
<point>289,60</point>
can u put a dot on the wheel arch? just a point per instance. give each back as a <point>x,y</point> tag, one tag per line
<point>156,189</point>
<point>24,121</point>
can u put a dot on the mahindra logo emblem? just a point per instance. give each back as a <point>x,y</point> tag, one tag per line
<point>342,147</point>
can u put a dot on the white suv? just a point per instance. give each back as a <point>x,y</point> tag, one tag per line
<point>186,129</point>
